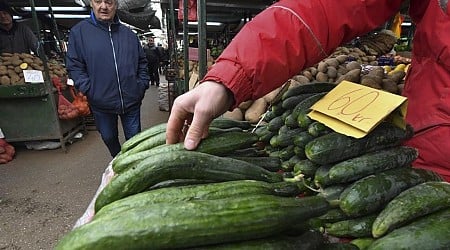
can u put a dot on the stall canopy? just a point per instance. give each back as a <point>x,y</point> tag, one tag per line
<point>137,13</point>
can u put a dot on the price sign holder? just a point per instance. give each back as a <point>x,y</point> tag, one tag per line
<point>33,76</point>
<point>354,109</point>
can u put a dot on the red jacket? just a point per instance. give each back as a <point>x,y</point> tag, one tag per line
<point>292,35</point>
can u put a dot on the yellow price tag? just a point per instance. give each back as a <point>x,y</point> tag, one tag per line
<point>354,109</point>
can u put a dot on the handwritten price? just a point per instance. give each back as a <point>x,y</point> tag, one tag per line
<point>353,104</point>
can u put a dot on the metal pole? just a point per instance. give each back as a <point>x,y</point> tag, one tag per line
<point>202,60</point>
<point>58,36</point>
<point>185,46</point>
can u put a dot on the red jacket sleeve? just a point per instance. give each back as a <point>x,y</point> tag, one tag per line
<point>289,36</point>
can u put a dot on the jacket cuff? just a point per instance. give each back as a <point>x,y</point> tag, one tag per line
<point>234,79</point>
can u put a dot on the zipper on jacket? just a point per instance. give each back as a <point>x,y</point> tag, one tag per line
<point>117,70</point>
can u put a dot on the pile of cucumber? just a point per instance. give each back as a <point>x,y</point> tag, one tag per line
<point>377,199</point>
<point>291,183</point>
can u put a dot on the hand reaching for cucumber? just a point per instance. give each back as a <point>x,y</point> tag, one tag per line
<point>193,111</point>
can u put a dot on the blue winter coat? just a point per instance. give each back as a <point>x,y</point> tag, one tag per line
<point>108,64</point>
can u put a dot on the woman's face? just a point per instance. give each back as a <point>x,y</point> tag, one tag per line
<point>104,10</point>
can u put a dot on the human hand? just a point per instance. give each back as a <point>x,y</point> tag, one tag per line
<point>193,111</point>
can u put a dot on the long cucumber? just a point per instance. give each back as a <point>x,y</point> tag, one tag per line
<point>199,192</point>
<point>194,223</point>
<point>411,204</point>
<point>138,138</point>
<point>180,165</point>
<point>355,227</point>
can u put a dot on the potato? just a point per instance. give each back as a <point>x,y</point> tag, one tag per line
<point>389,85</point>
<point>301,79</point>
<point>5,80</point>
<point>353,65</point>
<point>332,62</point>
<point>372,81</point>
<point>308,75</point>
<point>352,76</point>
<point>396,76</point>
<point>236,114</point>
<point>254,112</point>
<point>245,105</point>
<point>342,58</point>
<point>322,67</point>
<point>268,98</point>
<point>331,72</point>
<point>321,77</point>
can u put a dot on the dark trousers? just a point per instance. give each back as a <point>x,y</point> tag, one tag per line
<point>154,75</point>
<point>107,125</point>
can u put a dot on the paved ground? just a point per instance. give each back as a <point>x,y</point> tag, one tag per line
<point>43,193</point>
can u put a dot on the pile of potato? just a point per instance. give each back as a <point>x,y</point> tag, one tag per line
<point>13,64</point>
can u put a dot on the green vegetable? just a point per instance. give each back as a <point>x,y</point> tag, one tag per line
<point>362,243</point>
<point>285,139</point>
<point>373,192</point>
<point>316,87</point>
<point>357,227</point>
<point>291,102</point>
<point>426,233</point>
<point>411,204</point>
<point>370,163</point>
<point>275,124</point>
<point>226,123</point>
<point>179,165</point>
<point>143,135</point>
<point>198,192</point>
<point>318,129</point>
<point>194,223</point>
<point>336,147</point>
<point>305,167</point>
<point>272,164</point>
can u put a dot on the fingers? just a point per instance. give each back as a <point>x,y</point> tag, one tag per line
<point>176,123</point>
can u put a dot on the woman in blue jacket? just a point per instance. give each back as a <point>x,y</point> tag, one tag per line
<point>108,64</point>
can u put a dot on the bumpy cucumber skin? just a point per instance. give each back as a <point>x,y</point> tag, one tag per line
<point>357,227</point>
<point>335,147</point>
<point>199,192</point>
<point>194,223</point>
<point>362,243</point>
<point>429,232</point>
<point>308,88</point>
<point>145,134</point>
<point>180,165</point>
<point>411,204</point>
<point>225,123</point>
<point>273,164</point>
<point>373,192</point>
<point>370,163</point>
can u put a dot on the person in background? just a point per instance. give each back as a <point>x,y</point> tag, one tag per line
<point>108,64</point>
<point>15,37</point>
<point>291,35</point>
<point>153,59</point>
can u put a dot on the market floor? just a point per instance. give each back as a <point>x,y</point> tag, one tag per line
<point>43,193</point>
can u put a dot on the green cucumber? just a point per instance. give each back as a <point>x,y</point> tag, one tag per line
<point>198,192</point>
<point>426,233</point>
<point>286,153</point>
<point>291,102</point>
<point>303,120</point>
<point>305,167</point>
<point>332,193</point>
<point>216,144</point>
<point>179,165</point>
<point>226,123</point>
<point>264,134</point>
<point>150,142</point>
<point>335,147</point>
<point>315,87</point>
<point>275,124</point>
<point>318,129</point>
<point>362,243</point>
<point>411,204</point>
<point>370,163</point>
<point>373,192</point>
<point>290,121</point>
<point>285,139</point>
<point>302,138</point>
<point>333,215</point>
<point>214,131</point>
<point>306,104</point>
<point>300,152</point>
<point>143,135</point>
<point>339,246</point>
<point>355,228</point>
<point>194,223</point>
<point>179,183</point>
<point>272,164</point>
<point>321,178</point>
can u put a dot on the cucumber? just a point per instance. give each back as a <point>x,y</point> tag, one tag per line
<point>180,165</point>
<point>286,153</point>
<point>306,104</point>
<point>339,246</point>
<point>373,192</point>
<point>333,215</point>
<point>370,163</point>
<point>150,142</point>
<point>226,123</point>
<point>315,87</point>
<point>206,191</point>
<point>355,228</point>
<point>305,167</point>
<point>317,129</point>
<point>335,147</point>
<point>426,233</point>
<point>272,164</point>
<point>362,243</point>
<point>291,102</point>
<point>216,144</point>
<point>303,120</point>
<point>310,240</point>
<point>290,121</point>
<point>214,131</point>
<point>275,124</point>
<point>143,135</point>
<point>285,139</point>
<point>332,193</point>
<point>411,204</point>
<point>300,152</point>
<point>321,178</point>
<point>194,223</point>
<point>302,138</point>
<point>179,183</point>
<point>264,134</point>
